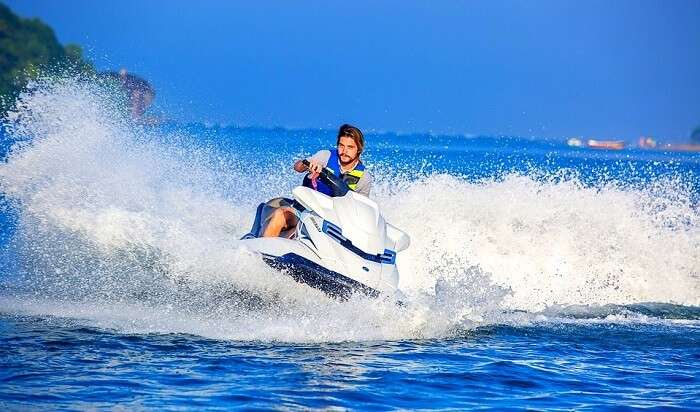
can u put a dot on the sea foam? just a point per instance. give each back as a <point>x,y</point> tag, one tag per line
<point>135,229</point>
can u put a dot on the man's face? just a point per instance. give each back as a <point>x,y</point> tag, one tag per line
<point>347,150</point>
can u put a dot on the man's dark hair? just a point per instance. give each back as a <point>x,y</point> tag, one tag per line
<point>347,130</point>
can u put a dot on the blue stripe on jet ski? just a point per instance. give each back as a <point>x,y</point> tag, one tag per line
<point>336,233</point>
<point>305,271</point>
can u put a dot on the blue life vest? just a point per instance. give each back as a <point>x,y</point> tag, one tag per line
<point>350,177</point>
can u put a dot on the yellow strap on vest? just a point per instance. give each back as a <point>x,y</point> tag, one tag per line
<point>356,174</point>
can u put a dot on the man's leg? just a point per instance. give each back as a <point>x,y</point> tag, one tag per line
<point>282,219</point>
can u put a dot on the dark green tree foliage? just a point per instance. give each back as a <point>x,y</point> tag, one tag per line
<point>28,47</point>
<point>695,136</point>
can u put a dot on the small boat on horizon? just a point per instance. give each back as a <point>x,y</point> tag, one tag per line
<point>605,144</point>
<point>651,144</point>
<point>596,144</point>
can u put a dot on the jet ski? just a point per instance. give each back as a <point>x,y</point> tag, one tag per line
<point>341,245</point>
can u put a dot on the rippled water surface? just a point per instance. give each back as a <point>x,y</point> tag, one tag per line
<point>48,361</point>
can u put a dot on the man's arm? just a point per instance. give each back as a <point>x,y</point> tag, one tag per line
<point>299,166</point>
<point>364,184</point>
<point>320,158</point>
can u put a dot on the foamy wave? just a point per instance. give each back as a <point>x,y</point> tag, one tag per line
<point>137,229</point>
<point>554,242</point>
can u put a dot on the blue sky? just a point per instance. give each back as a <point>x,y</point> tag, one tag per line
<point>605,69</point>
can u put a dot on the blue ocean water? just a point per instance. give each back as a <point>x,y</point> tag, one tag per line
<point>57,362</point>
<point>539,276</point>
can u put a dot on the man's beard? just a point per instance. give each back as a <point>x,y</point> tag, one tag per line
<point>349,162</point>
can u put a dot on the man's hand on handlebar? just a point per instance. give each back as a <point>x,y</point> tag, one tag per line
<point>314,168</point>
<point>339,187</point>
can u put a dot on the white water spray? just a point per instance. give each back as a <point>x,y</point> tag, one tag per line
<point>137,230</point>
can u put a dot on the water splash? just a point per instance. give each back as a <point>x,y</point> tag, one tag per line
<point>136,229</point>
<point>555,242</point>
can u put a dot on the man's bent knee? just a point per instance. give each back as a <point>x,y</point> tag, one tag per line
<point>279,221</point>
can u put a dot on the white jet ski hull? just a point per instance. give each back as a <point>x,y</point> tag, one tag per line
<point>361,257</point>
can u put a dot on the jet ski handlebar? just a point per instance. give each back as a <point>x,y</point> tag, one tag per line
<point>337,184</point>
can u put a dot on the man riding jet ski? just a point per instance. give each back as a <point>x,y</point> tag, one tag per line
<point>330,236</point>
